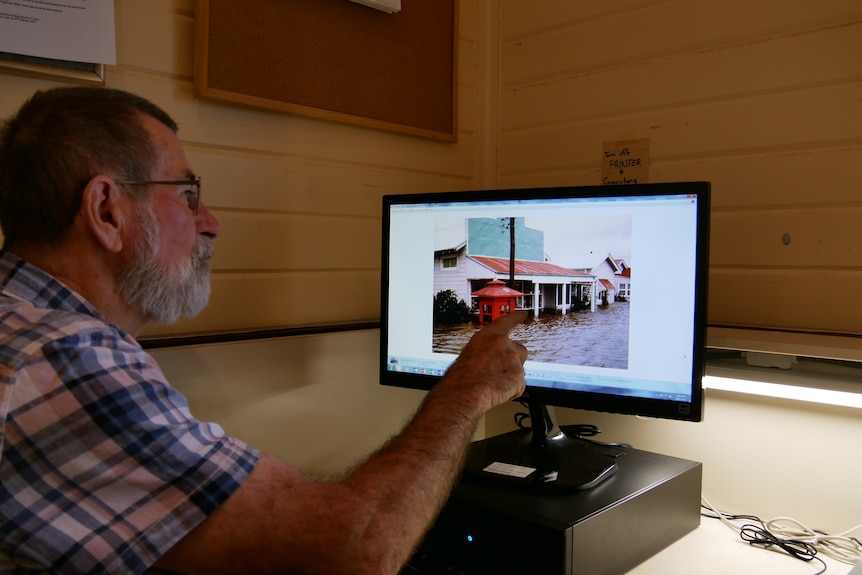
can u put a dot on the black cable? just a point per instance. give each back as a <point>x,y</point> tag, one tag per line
<point>521,416</point>
<point>760,536</point>
<point>583,431</point>
<point>756,534</point>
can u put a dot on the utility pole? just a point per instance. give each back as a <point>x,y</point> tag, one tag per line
<point>512,253</point>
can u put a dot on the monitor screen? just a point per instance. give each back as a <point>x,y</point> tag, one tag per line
<point>613,279</point>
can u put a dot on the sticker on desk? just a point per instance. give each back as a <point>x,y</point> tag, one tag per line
<point>509,469</point>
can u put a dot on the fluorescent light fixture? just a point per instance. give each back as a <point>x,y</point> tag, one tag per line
<point>796,377</point>
<point>784,391</point>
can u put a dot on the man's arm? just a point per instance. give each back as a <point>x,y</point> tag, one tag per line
<point>370,522</point>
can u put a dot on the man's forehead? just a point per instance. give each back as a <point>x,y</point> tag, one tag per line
<point>172,160</point>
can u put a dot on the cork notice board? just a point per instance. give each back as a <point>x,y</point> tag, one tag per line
<point>333,59</point>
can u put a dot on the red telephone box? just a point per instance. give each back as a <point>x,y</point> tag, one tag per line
<point>496,299</point>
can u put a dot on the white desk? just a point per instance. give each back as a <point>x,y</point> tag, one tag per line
<point>715,549</point>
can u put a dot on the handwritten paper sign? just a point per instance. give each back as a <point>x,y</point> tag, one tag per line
<point>625,162</point>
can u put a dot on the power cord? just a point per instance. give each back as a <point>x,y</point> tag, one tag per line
<point>520,418</point>
<point>841,546</point>
<point>792,537</point>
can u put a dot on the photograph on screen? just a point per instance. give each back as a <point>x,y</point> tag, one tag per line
<point>571,273</point>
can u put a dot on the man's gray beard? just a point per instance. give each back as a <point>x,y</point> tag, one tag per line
<point>165,293</point>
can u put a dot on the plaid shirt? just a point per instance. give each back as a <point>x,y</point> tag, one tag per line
<point>103,468</point>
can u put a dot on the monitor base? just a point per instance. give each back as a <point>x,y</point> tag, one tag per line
<point>560,463</point>
<point>542,457</point>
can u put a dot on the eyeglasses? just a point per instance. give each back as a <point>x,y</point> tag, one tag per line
<point>193,196</point>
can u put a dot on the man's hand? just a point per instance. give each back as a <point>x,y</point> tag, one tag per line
<point>491,364</point>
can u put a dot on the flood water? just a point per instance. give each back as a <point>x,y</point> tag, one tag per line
<point>596,339</point>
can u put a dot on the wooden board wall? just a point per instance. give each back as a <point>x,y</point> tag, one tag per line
<point>762,99</point>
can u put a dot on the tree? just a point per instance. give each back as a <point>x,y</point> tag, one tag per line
<point>448,309</point>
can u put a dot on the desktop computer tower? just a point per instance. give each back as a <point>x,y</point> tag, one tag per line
<point>493,529</point>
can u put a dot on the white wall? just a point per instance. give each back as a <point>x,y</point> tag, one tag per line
<point>762,99</point>
<point>277,180</point>
<point>312,401</point>
<point>315,402</point>
<point>298,198</point>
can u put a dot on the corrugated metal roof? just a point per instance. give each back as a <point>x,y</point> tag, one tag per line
<point>501,265</point>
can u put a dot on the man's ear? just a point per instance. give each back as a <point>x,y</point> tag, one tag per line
<point>104,208</point>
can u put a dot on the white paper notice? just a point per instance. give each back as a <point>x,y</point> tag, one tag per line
<point>509,469</point>
<point>72,30</point>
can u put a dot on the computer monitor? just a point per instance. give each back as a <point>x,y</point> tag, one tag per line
<point>614,280</point>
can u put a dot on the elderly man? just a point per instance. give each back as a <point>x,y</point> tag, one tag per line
<point>103,469</point>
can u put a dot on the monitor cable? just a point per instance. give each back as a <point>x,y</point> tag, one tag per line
<point>583,431</point>
<point>791,536</point>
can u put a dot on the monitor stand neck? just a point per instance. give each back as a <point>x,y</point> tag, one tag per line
<point>546,431</point>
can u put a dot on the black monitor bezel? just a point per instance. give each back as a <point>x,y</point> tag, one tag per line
<point>691,411</point>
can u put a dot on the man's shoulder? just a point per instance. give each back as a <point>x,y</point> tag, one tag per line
<point>26,329</point>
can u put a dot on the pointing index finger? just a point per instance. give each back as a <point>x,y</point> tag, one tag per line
<point>505,323</point>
